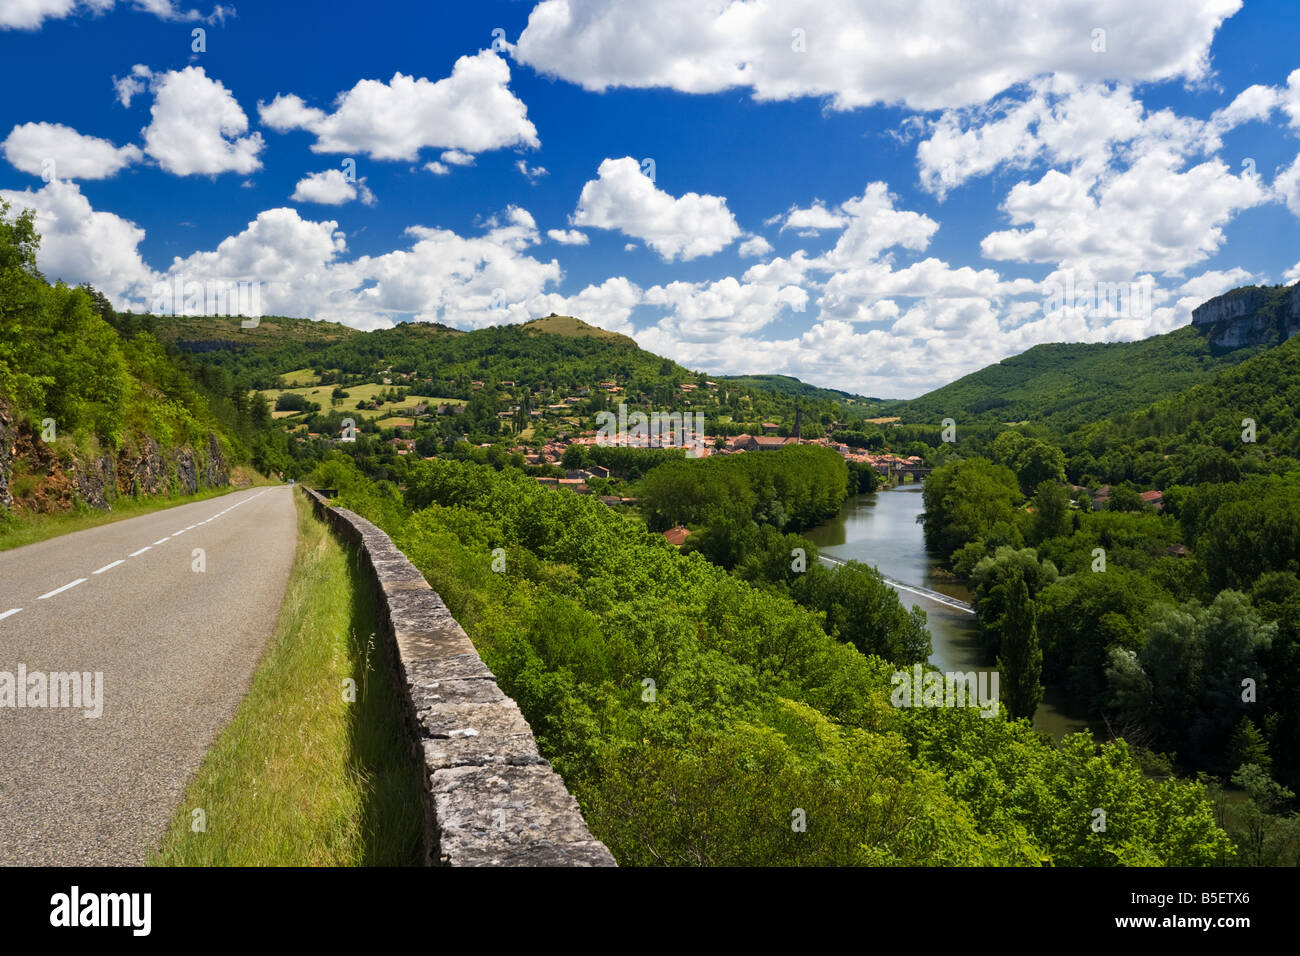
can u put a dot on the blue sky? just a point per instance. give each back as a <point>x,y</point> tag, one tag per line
<point>878,197</point>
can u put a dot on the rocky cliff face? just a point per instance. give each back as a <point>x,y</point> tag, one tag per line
<point>35,477</point>
<point>1251,315</point>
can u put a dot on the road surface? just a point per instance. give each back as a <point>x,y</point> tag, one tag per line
<point>176,636</point>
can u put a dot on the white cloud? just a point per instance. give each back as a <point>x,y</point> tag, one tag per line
<point>80,244</point>
<point>60,152</point>
<point>755,246</point>
<point>437,168</point>
<point>457,157</point>
<point>133,84</point>
<point>531,173</point>
<point>1292,274</point>
<point>470,111</point>
<point>1287,186</point>
<point>332,188</point>
<point>930,55</point>
<point>872,225</point>
<point>622,197</point>
<point>30,14</point>
<point>812,220</point>
<point>568,237</point>
<point>198,128</point>
<point>1150,217</point>
<point>608,305</point>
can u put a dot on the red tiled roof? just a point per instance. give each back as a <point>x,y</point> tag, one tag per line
<point>677,535</point>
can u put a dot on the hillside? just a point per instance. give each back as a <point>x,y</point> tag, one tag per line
<point>568,325</point>
<point>93,408</point>
<point>1065,385</point>
<point>1199,434</point>
<point>789,385</point>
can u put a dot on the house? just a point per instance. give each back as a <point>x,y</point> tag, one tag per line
<point>508,384</point>
<point>552,482</point>
<point>611,500</point>
<point>741,443</point>
<point>599,471</point>
<point>769,428</point>
<point>675,536</point>
<point>1154,498</point>
<point>575,484</point>
<point>1100,498</point>
<point>772,442</point>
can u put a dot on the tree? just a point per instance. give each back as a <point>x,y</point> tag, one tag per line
<point>1021,661</point>
<point>1051,511</point>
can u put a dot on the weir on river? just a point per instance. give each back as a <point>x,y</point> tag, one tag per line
<point>936,596</point>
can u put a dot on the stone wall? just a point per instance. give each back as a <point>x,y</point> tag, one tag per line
<point>490,798</point>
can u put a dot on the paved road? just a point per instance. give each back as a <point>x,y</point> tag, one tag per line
<point>176,647</point>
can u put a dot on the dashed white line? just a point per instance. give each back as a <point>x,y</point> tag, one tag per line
<point>11,611</point>
<point>70,584</point>
<point>136,554</point>
<point>109,567</point>
<point>161,540</point>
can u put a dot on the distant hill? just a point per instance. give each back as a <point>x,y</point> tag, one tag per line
<point>788,385</point>
<point>202,332</point>
<point>1065,385</point>
<point>568,325</point>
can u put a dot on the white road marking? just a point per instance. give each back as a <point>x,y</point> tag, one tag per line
<point>12,610</point>
<point>70,584</point>
<point>191,527</point>
<point>161,540</point>
<point>136,554</point>
<point>109,567</point>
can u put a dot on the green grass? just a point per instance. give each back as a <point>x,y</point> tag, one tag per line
<point>356,394</point>
<point>21,529</point>
<point>300,777</point>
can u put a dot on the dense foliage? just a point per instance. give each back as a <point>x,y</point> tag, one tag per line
<point>702,720</point>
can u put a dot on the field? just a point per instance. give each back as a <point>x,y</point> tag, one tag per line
<point>356,394</point>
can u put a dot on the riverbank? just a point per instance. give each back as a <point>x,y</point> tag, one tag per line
<point>883,529</point>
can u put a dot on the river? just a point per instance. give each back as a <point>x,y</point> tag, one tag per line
<point>882,530</point>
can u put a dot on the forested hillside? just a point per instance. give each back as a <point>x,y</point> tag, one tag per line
<point>93,407</point>
<point>702,720</point>
<point>1061,386</point>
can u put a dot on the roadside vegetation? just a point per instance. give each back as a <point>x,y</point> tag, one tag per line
<point>301,776</point>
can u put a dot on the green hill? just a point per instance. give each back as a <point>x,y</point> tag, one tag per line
<point>789,385</point>
<point>1066,385</point>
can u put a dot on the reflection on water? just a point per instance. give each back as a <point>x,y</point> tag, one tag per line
<point>882,530</point>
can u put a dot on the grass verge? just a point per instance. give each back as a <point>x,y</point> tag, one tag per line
<point>21,529</point>
<point>300,776</point>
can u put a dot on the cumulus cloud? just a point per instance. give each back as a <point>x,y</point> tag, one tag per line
<point>198,128</point>
<point>332,188</point>
<point>814,219</point>
<point>1287,186</point>
<point>755,246</point>
<point>568,237</point>
<point>82,244</point>
<point>930,55</point>
<point>622,197</point>
<point>1152,216</point>
<point>470,111</point>
<point>60,152</point>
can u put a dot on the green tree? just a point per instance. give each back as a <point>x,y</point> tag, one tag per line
<point>1021,661</point>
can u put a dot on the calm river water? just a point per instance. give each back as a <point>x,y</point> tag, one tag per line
<point>882,530</point>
